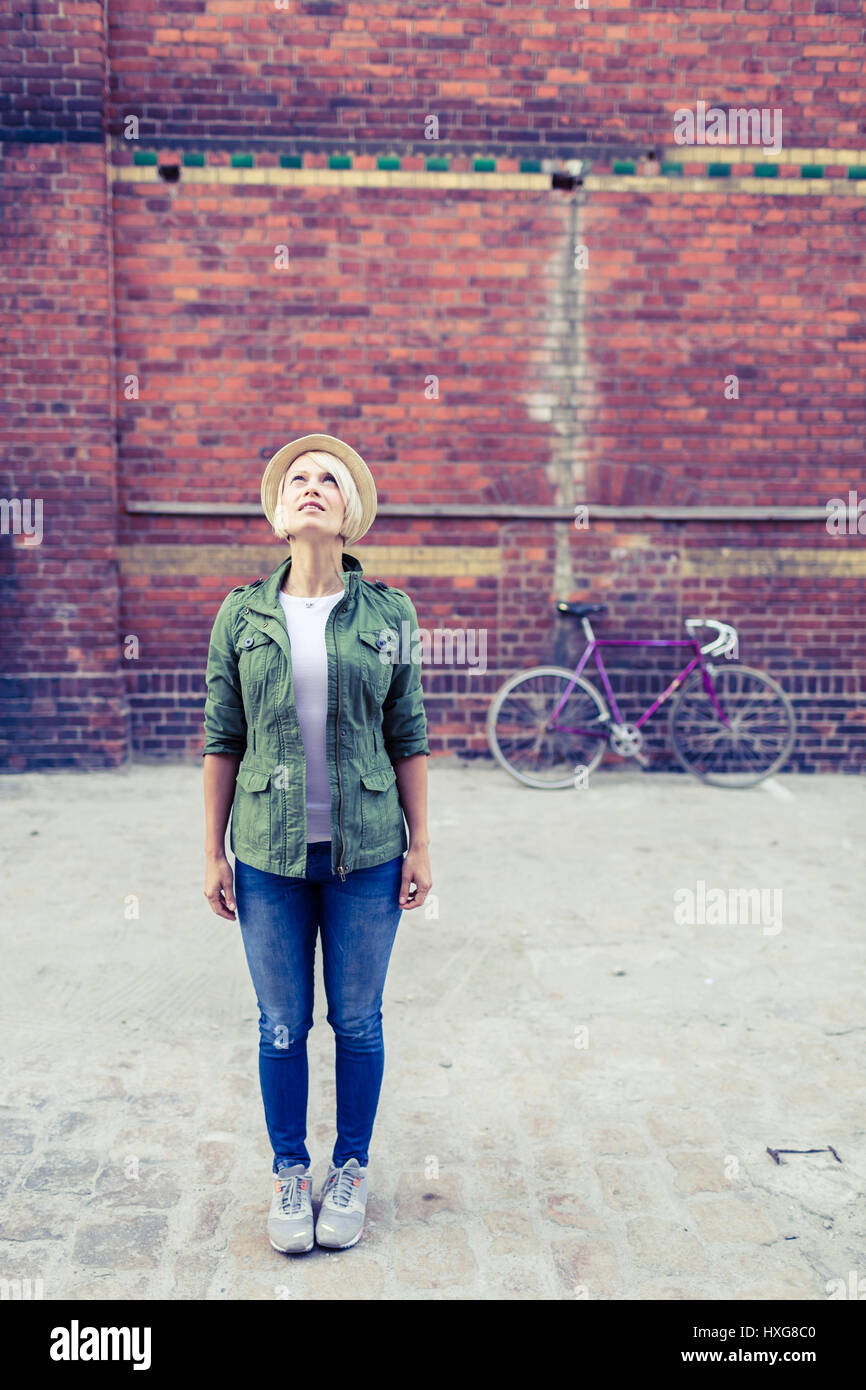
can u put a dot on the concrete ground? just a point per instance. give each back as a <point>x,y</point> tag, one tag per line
<point>588,1055</point>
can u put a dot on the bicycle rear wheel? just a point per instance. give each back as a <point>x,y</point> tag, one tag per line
<point>755,742</point>
<point>520,736</point>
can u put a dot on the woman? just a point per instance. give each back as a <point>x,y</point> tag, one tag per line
<point>316,740</point>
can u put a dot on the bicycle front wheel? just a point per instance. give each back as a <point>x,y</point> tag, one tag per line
<point>755,741</point>
<point>536,749</point>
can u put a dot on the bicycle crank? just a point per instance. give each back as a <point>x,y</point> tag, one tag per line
<point>627,742</point>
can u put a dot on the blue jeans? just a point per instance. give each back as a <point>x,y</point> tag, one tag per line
<point>279,918</point>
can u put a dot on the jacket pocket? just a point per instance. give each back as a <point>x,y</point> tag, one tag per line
<point>253,653</point>
<point>251,809</point>
<point>376,672</point>
<point>380,805</point>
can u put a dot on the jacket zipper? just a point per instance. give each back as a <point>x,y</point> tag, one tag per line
<point>340,870</point>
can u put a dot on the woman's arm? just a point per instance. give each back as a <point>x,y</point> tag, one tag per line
<point>411,774</point>
<point>220,772</point>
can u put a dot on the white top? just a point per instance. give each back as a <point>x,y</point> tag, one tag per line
<point>305,620</point>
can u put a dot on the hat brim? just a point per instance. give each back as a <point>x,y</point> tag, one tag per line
<point>275,471</point>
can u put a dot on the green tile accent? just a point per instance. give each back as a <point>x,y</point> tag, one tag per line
<point>437,162</point>
<point>388,161</point>
<point>291,161</point>
<point>718,171</point>
<point>194,159</point>
<point>812,171</point>
<point>623,166</point>
<point>530,166</point>
<point>766,171</point>
<point>671,168</point>
<point>144,156</point>
<point>485,166</point>
<point>242,161</point>
<point>857,171</point>
<point>340,161</point>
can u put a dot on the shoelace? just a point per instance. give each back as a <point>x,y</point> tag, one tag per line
<point>343,1187</point>
<point>291,1196</point>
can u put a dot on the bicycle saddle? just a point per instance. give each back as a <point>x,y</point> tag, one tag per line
<point>580,610</point>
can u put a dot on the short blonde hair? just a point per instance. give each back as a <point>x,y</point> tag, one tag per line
<point>348,491</point>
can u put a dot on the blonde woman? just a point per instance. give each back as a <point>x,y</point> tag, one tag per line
<point>316,741</point>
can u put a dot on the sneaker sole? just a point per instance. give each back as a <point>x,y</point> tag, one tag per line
<point>304,1251</point>
<point>349,1243</point>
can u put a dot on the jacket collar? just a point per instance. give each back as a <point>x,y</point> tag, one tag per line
<point>265,597</point>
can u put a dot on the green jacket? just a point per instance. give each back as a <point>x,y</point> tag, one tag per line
<point>375,716</point>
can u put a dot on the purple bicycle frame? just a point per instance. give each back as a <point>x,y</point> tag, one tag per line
<point>592,649</point>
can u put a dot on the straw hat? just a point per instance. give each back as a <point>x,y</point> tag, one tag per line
<point>275,471</point>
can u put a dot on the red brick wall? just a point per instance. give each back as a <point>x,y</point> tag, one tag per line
<point>683,292</point>
<point>494,71</point>
<point>617,370</point>
<point>63,691</point>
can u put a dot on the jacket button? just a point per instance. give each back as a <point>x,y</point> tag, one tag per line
<point>380,641</point>
<point>248,641</point>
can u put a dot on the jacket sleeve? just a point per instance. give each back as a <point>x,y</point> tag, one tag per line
<point>225,723</point>
<point>404,723</point>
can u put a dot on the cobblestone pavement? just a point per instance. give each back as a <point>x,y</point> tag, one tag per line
<point>585,1066</point>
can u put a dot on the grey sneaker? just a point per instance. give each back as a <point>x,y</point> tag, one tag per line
<point>344,1204</point>
<point>290,1221</point>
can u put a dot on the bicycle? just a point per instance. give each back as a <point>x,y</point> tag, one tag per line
<point>730,726</point>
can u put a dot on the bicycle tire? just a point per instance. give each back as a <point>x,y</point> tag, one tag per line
<point>780,719</point>
<point>496,708</point>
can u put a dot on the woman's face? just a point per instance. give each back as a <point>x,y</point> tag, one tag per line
<point>312,504</point>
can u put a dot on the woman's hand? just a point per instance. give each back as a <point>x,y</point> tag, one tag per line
<point>219,887</point>
<point>416,869</point>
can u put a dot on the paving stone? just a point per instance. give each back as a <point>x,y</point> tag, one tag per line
<point>209,1212</point>
<point>125,1243</point>
<point>151,1139</point>
<point>686,1128</point>
<point>665,1246</point>
<point>699,1172</point>
<point>120,1284</point>
<point>424,1199</point>
<point>16,1137</point>
<point>511,1233</point>
<point>434,1259</point>
<point>621,1140</point>
<point>586,1268</point>
<point>64,1172</point>
<point>351,1274</point>
<point>565,1207</point>
<point>27,1217</point>
<point>216,1158</point>
<point>152,1185</point>
<point>732,1218</point>
<point>630,1187</point>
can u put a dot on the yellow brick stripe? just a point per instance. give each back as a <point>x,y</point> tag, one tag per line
<point>729,562</point>
<point>334,178</point>
<point>754,154</point>
<point>639,183</point>
<point>386,562</point>
<point>515,182</point>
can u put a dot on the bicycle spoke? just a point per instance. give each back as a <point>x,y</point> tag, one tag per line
<point>548,756</point>
<point>754,741</point>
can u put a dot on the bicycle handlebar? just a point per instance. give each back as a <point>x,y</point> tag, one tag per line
<point>725,642</point>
